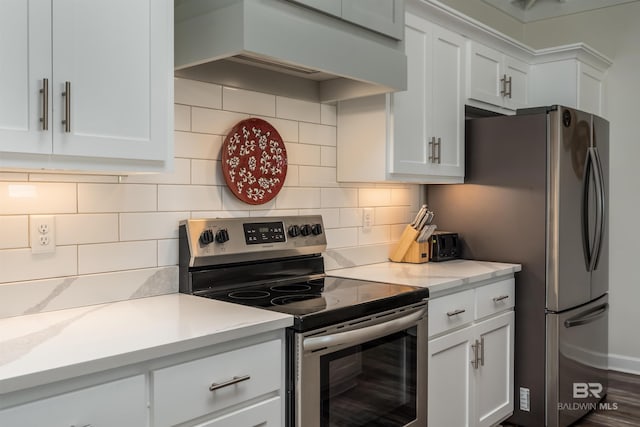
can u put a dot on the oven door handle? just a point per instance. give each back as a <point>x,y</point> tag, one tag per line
<point>364,334</point>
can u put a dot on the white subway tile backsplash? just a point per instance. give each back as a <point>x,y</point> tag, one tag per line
<point>369,197</point>
<point>221,214</point>
<point>273,212</point>
<point>403,197</point>
<point>105,257</point>
<point>328,115</point>
<point>330,217</point>
<point>102,198</point>
<point>350,217</point>
<point>86,228</point>
<point>295,109</point>
<point>246,101</point>
<point>303,154</point>
<point>217,122</point>
<point>57,177</point>
<point>19,198</point>
<point>341,237</point>
<point>293,176</point>
<point>181,175</point>
<point>14,232</point>
<point>182,117</point>
<point>20,264</point>
<point>288,129</point>
<point>328,156</point>
<point>197,145</point>
<point>150,225</point>
<point>206,172</point>
<point>318,134</point>
<point>374,235</point>
<point>339,197</point>
<point>231,203</point>
<point>198,94</point>
<point>391,215</point>
<point>314,176</point>
<point>167,252</point>
<point>298,198</point>
<point>189,198</point>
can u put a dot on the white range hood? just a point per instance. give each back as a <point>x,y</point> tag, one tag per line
<point>280,47</point>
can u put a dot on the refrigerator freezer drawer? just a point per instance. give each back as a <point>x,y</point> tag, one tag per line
<point>577,361</point>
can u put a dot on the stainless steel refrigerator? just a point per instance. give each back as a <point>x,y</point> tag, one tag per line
<point>536,193</point>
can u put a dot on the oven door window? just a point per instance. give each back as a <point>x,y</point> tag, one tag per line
<point>371,384</point>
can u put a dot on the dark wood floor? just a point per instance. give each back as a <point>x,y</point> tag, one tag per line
<point>624,399</point>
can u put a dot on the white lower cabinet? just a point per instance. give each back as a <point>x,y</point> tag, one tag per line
<point>195,389</point>
<point>120,403</point>
<point>471,362</point>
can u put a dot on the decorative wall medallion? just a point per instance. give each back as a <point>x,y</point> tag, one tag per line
<point>254,161</point>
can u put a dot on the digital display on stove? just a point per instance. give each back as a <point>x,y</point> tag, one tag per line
<point>264,232</point>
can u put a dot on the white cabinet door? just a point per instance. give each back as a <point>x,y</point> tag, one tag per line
<point>263,414</point>
<point>494,376</point>
<point>485,74</point>
<point>450,379</point>
<point>120,403</point>
<point>589,89</point>
<point>497,79</point>
<point>382,16</point>
<point>110,52</point>
<point>448,103</point>
<point>25,52</point>
<point>517,83</point>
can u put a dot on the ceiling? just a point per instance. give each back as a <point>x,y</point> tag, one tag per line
<point>535,10</point>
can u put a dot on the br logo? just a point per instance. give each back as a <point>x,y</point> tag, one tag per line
<point>585,390</point>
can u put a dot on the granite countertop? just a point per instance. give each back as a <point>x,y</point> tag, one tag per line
<point>41,348</point>
<point>440,277</point>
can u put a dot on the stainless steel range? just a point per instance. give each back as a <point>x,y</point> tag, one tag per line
<point>357,349</point>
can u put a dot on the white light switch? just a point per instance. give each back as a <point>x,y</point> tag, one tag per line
<point>367,217</point>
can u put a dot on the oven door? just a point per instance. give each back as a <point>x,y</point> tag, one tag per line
<point>366,372</point>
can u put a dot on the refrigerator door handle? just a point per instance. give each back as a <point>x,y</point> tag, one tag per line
<point>600,206</point>
<point>588,316</point>
<point>586,184</point>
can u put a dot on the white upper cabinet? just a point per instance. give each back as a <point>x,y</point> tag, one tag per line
<point>108,65</point>
<point>416,135</point>
<point>496,78</point>
<point>568,82</point>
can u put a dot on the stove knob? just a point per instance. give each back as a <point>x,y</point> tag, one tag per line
<point>316,229</point>
<point>206,237</point>
<point>305,230</point>
<point>222,235</point>
<point>294,231</point>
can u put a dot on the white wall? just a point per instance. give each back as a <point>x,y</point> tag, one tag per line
<point>105,226</point>
<point>616,33</point>
<point>488,15</point>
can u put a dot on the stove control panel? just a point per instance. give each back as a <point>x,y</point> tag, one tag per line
<point>224,240</point>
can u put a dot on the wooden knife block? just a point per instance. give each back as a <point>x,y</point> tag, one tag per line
<point>418,253</point>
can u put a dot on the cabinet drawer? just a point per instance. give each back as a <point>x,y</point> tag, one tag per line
<point>263,414</point>
<point>118,403</point>
<point>181,392</point>
<point>450,311</point>
<point>494,298</point>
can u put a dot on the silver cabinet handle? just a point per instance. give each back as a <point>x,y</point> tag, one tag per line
<point>439,149</point>
<point>508,82</point>
<point>503,81</point>
<point>44,119</point>
<point>234,380</point>
<point>67,107</point>
<point>500,298</point>
<point>474,347</point>
<point>432,148</point>
<point>481,351</point>
<point>455,312</point>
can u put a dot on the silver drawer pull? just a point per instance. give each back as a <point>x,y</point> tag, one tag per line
<point>233,381</point>
<point>67,107</point>
<point>45,104</point>
<point>500,298</point>
<point>455,312</point>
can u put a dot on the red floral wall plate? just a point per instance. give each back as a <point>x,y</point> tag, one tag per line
<point>254,161</point>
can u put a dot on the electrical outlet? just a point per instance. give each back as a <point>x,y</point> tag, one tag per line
<point>367,217</point>
<point>42,234</point>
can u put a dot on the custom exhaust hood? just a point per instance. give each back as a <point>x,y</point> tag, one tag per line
<point>280,47</point>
